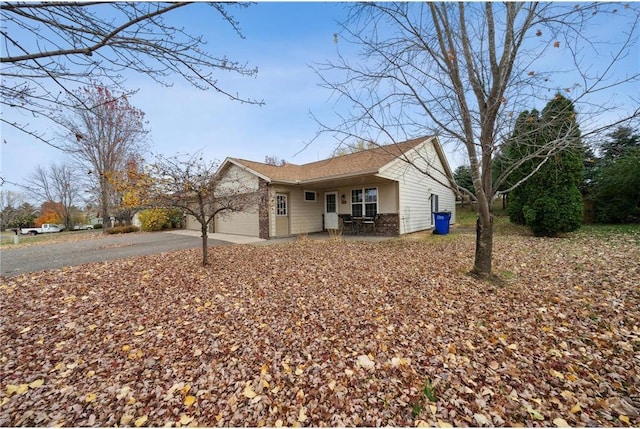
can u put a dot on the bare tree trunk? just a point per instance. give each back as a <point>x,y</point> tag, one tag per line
<point>484,247</point>
<point>205,246</point>
<point>104,202</point>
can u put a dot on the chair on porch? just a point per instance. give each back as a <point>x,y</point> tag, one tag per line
<point>369,224</point>
<point>348,224</point>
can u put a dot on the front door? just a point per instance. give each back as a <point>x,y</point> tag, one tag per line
<point>282,215</point>
<point>331,210</point>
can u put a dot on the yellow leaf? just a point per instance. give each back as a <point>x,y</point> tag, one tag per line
<point>561,423</point>
<point>624,418</point>
<point>443,424</point>
<point>138,333</point>
<point>92,327</point>
<point>366,362</point>
<point>279,423</point>
<point>124,392</point>
<point>556,374</point>
<point>17,389</point>
<point>248,392</point>
<point>126,348</point>
<point>264,369</point>
<point>234,348</point>
<point>302,415</point>
<point>576,409</point>
<point>299,371</point>
<point>189,400</point>
<point>90,397</point>
<point>396,362</point>
<point>422,424</point>
<point>25,330</point>
<point>566,394</point>
<point>91,373</point>
<point>207,304</point>
<point>141,421</point>
<point>512,346</point>
<point>185,389</point>
<point>125,419</point>
<point>36,383</point>
<point>481,419</point>
<point>185,419</point>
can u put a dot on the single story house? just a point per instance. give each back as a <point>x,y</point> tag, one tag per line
<point>382,183</point>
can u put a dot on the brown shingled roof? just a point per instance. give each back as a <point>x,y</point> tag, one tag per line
<point>363,162</point>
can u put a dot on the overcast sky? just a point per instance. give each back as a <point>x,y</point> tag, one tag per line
<point>282,40</point>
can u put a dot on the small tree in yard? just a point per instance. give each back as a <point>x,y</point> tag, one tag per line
<point>200,190</point>
<point>130,188</point>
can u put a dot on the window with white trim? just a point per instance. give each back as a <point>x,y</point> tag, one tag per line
<point>364,202</point>
<point>281,205</point>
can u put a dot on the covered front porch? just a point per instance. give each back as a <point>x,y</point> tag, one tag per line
<point>366,205</point>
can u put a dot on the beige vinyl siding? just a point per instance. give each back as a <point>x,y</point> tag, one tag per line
<point>243,223</point>
<point>304,216</point>
<point>240,223</point>
<point>238,180</point>
<point>416,188</point>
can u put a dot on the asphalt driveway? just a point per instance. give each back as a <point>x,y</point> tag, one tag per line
<point>45,256</point>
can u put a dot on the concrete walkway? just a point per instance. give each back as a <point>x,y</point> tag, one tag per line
<point>244,239</point>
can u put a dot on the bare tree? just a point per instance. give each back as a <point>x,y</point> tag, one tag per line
<point>200,189</point>
<point>358,146</point>
<point>57,183</point>
<point>50,48</point>
<point>10,201</point>
<point>274,160</point>
<point>102,139</point>
<point>464,71</point>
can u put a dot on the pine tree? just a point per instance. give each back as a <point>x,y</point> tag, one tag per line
<point>549,202</point>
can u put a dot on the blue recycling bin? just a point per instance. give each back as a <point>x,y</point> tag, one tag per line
<point>442,222</point>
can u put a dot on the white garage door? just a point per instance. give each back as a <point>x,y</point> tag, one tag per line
<point>241,223</point>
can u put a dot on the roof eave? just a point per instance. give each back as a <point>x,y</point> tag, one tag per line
<point>340,176</point>
<point>239,164</point>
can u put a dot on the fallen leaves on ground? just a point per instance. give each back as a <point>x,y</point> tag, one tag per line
<point>330,333</point>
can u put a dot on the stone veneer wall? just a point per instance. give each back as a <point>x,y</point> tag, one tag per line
<point>263,209</point>
<point>388,224</point>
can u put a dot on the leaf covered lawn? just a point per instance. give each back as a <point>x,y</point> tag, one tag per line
<point>330,334</point>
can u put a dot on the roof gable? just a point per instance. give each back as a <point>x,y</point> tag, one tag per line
<point>368,161</point>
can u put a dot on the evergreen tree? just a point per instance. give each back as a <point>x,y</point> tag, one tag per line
<point>616,181</point>
<point>463,178</point>
<point>549,202</point>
